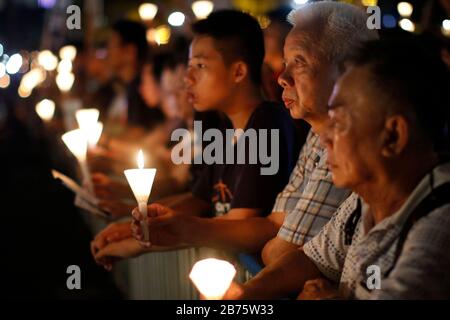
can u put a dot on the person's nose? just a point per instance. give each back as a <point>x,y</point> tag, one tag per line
<point>285,79</point>
<point>189,78</point>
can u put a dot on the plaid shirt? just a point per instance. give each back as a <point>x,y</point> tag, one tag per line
<point>310,199</point>
<point>422,267</point>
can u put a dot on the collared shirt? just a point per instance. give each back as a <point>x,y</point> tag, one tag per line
<point>421,269</point>
<point>310,199</point>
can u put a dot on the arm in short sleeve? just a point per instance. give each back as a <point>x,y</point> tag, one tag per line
<point>327,249</point>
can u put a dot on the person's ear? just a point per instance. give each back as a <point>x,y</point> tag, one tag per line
<point>396,136</point>
<point>240,71</point>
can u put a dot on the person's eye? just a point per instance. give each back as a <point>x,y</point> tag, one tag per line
<point>336,125</point>
<point>299,62</point>
<point>341,124</point>
<point>201,65</point>
<point>334,122</point>
<point>331,124</point>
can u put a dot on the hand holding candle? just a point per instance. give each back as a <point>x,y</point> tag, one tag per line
<point>212,277</point>
<point>141,181</point>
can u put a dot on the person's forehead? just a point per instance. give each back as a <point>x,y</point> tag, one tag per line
<point>353,91</point>
<point>299,40</point>
<point>354,77</point>
<point>148,67</point>
<point>342,88</point>
<point>202,47</point>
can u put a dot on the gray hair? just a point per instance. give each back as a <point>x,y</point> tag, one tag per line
<point>338,27</point>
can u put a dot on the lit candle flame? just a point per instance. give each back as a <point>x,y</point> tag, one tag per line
<point>140,159</point>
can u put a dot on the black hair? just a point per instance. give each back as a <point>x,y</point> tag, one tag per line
<point>169,59</point>
<point>164,60</point>
<point>280,17</point>
<point>236,35</point>
<point>131,32</point>
<point>413,78</point>
<point>159,62</point>
<point>180,49</point>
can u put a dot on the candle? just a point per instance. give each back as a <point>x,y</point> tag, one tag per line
<point>87,121</point>
<point>95,134</point>
<point>77,144</point>
<point>45,109</point>
<point>68,53</point>
<point>141,181</point>
<point>212,277</point>
<point>47,60</point>
<point>65,81</point>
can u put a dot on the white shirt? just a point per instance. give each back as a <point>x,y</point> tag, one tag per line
<point>421,269</point>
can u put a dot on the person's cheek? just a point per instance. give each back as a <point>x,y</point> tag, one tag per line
<point>348,163</point>
<point>200,82</point>
<point>303,81</point>
<point>328,141</point>
<point>352,158</point>
<point>341,154</point>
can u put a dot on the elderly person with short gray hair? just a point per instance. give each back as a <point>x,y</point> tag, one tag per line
<point>323,34</point>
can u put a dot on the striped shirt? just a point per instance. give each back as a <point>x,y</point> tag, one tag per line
<point>421,269</point>
<point>310,199</point>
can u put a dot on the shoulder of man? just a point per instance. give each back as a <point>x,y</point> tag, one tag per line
<point>423,262</point>
<point>432,229</point>
<point>431,220</point>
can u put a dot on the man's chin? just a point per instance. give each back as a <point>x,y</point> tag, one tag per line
<point>295,114</point>
<point>338,182</point>
<point>201,108</point>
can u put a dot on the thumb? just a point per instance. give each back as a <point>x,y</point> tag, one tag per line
<point>156,209</point>
<point>159,221</point>
<point>234,292</point>
<point>116,236</point>
<point>106,252</point>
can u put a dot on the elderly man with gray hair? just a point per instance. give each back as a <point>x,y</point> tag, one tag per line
<point>323,34</point>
